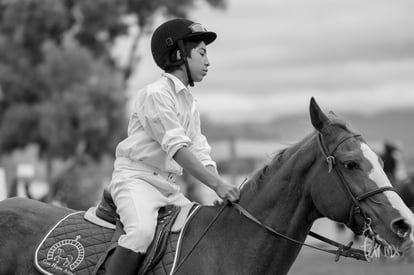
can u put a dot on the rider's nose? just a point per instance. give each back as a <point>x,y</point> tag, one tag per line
<point>401,227</point>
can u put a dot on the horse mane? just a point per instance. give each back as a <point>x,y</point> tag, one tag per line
<point>263,174</point>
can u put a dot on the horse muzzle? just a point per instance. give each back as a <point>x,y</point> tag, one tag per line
<point>401,227</point>
<point>404,231</point>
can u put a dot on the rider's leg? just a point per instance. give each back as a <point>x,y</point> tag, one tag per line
<point>138,197</point>
<point>137,205</point>
<point>124,261</point>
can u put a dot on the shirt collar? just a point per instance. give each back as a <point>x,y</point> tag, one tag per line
<point>178,85</point>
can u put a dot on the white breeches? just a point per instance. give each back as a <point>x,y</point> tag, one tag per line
<point>139,192</point>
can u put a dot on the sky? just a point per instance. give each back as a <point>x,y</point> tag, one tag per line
<point>272,56</point>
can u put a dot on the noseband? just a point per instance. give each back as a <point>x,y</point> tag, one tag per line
<point>356,199</point>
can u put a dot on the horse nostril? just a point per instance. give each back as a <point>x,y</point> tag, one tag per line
<point>401,227</point>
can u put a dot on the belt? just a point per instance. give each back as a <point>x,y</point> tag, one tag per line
<point>141,166</point>
<point>171,177</point>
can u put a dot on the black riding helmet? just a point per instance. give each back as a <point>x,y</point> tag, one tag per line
<point>170,36</point>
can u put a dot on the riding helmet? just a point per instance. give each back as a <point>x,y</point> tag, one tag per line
<point>165,39</point>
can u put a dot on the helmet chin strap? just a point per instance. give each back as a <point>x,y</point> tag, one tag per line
<point>184,56</point>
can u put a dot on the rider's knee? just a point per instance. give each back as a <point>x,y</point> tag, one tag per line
<point>137,239</point>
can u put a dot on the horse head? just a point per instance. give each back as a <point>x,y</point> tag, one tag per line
<point>350,185</point>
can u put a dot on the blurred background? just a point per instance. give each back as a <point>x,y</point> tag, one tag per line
<point>69,70</point>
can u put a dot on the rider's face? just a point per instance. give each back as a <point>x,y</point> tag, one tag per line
<point>198,62</point>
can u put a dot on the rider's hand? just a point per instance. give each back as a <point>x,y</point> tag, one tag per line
<point>207,175</point>
<point>227,191</point>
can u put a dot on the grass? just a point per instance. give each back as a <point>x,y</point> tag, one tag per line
<point>312,262</point>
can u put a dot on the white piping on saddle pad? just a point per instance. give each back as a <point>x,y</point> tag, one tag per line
<point>44,239</point>
<point>180,238</point>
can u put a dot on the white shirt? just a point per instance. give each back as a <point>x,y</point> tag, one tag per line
<point>164,119</point>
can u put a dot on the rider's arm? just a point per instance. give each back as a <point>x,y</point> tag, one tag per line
<point>208,176</point>
<point>212,168</point>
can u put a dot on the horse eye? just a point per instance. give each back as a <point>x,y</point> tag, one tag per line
<point>351,165</point>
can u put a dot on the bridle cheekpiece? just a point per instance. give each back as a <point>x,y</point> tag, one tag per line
<point>356,199</point>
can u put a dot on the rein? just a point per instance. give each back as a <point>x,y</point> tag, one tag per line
<point>343,250</point>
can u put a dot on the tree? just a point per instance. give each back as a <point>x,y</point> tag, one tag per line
<point>78,111</point>
<point>60,87</point>
<point>34,78</point>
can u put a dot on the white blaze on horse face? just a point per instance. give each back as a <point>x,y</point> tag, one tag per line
<point>378,176</point>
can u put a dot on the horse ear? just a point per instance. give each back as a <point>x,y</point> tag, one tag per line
<point>318,118</point>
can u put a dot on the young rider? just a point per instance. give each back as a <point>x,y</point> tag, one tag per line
<point>164,138</point>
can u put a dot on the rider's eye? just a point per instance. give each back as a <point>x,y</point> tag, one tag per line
<point>351,165</point>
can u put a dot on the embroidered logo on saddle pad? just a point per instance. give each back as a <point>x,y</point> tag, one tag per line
<point>72,246</point>
<point>59,258</point>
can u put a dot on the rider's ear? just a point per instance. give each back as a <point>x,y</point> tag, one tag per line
<point>319,120</point>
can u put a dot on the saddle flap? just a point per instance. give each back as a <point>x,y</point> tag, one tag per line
<point>171,219</point>
<point>166,218</point>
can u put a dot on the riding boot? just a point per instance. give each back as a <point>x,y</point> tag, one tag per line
<point>124,261</point>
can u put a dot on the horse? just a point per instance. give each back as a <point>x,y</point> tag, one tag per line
<point>332,173</point>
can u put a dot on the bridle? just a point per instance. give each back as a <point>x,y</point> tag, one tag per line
<point>343,250</point>
<point>356,199</point>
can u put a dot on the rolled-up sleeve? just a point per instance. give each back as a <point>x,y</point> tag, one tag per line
<point>160,121</point>
<point>200,146</point>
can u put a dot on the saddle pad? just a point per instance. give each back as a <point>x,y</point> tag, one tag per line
<point>72,246</point>
<point>164,266</point>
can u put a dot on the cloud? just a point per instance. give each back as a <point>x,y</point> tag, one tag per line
<point>358,74</point>
<point>272,55</point>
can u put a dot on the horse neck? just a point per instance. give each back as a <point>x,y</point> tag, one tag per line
<point>284,184</point>
<point>279,196</point>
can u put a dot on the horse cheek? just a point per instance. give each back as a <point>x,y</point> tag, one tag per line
<point>328,199</point>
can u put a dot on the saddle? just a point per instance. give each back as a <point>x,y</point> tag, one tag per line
<point>81,242</point>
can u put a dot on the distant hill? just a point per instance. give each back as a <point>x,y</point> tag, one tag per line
<point>393,126</point>
<point>396,126</point>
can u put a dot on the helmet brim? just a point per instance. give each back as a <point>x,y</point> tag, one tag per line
<point>207,37</point>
